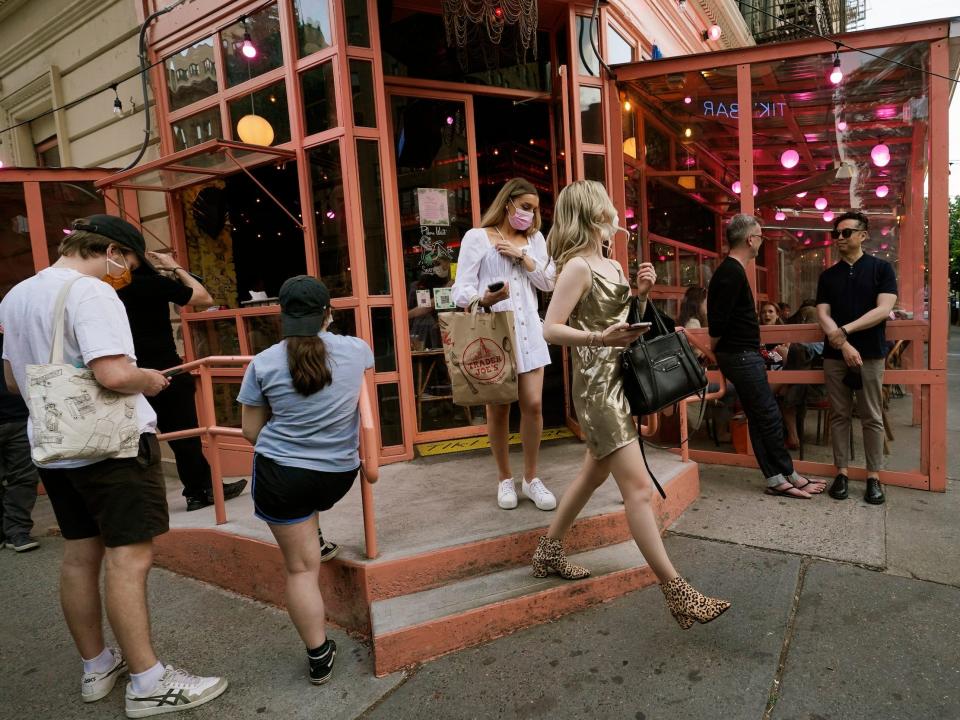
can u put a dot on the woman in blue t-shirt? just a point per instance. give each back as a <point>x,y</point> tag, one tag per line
<point>300,410</point>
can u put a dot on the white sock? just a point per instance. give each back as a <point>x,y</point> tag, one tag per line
<point>100,664</point>
<point>145,682</point>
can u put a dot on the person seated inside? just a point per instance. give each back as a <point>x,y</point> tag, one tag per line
<point>802,356</point>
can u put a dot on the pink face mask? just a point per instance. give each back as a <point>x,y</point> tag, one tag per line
<point>521,219</point>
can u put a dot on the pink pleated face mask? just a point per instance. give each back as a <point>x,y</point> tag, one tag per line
<point>521,219</point>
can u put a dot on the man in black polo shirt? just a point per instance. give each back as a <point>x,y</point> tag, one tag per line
<point>735,339</point>
<point>147,300</point>
<point>854,300</point>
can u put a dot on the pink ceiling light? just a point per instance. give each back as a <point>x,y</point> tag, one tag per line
<point>736,187</point>
<point>828,216</point>
<point>880,154</point>
<point>780,216</point>
<point>882,191</point>
<point>802,195</point>
<point>789,158</point>
<point>885,231</point>
<point>820,203</point>
<point>714,32</point>
<point>836,74</point>
<point>687,100</point>
<point>842,125</point>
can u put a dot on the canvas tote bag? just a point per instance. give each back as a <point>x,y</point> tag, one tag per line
<point>73,416</point>
<point>478,349</point>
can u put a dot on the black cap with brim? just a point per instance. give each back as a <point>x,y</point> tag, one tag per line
<point>304,302</point>
<point>119,231</point>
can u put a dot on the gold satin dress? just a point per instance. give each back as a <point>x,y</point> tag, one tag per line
<point>602,408</point>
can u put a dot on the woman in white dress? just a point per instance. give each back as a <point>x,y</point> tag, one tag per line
<point>509,248</point>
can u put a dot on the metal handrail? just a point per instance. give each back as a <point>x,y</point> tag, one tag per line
<point>208,429</point>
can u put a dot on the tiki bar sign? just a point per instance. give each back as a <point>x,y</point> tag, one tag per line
<point>718,108</point>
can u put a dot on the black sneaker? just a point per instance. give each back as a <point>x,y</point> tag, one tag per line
<point>198,502</point>
<point>321,668</point>
<point>328,550</point>
<point>23,543</point>
<point>232,489</point>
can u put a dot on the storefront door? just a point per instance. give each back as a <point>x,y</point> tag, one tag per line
<point>453,152</point>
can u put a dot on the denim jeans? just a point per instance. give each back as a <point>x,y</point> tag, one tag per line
<point>748,373</point>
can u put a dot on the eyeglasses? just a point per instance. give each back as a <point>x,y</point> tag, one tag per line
<point>845,233</point>
<point>758,235</point>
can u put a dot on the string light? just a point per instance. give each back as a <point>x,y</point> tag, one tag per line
<point>247,48</point>
<point>880,154</point>
<point>780,216</point>
<point>820,203</point>
<point>789,158</point>
<point>836,75</point>
<point>882,191</point>
<point>117,105</point>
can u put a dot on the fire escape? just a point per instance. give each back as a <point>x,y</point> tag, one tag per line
<point>781,20</point>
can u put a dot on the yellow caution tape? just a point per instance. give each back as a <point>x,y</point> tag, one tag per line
<point>444,447</point>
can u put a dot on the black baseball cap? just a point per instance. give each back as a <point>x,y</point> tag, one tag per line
<point>304,302</point>
<point>118,230</point>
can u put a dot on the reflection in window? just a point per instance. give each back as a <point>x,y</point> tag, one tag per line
<point>618,49</point>
<point>591,115</point>
<point>264,29</point>
<point>587,61</point>
<point>196,129</point>
<point>214,337</point>
<point>64,202</point>
<point>16,257</point>
<point>344,322</point>
<point>658,147</point>
<point>381,321</point>
<point>183,90</point>
<point>361,83</point>
<point>313,25</point>
<point>333,251</point>
<point>358,28</point>
<point>371,203</point>
<point>594,168</point>
<point>391,428</point>
<point>319,101</point>
<point>270,103</point>
<point>227,410</point>
<point>263,331</point>
<point>664,262</point>
<point>677,216</point>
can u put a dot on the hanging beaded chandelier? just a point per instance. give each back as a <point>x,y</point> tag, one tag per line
<point>464,19</point>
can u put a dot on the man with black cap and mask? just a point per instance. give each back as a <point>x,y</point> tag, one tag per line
<point>147,299</point>
<point>109,509</point>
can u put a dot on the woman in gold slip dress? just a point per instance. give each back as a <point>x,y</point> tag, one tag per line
<point>588,312</point>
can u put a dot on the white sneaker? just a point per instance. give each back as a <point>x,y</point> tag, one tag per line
<point>96,686</point>
<point>176,690</point>
<point>537,491</point>
<point>507,494</point>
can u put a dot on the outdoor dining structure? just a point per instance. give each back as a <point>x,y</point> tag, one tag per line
<point>797,133</point>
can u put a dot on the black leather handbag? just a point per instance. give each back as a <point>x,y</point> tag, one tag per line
<point>659,372</point>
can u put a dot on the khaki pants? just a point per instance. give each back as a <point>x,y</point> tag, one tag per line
<point>869,406</point>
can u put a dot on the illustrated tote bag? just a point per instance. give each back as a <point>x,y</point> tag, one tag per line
<point>478,349</point>
<point>73,416</point>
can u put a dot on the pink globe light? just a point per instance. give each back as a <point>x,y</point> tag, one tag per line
<point>714,32</point>
<point>736,187</point>
<point>687,100</point>
<point>789,158</point>
<point>820,203</point>
<point>248,50</point>
<point>880,154</point>
<point>883,246</point>
<point>807,241</point>
<point>885,231</point>
<point>799,233</point>
<point>67,231</point>
<point>828,216</point>
<point>882,191</point>
<point>802,195</point>
<point>836,75</point>
<point>449,119</point>
<point>842,126</point>
<point>780,216</point>
<point>331,214</point>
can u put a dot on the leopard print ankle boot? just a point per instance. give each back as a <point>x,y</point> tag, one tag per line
<point>550,556</point>
<point>687,604</point>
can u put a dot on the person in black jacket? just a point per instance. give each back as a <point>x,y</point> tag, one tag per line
<point>735,340</point>
<point>147,300</point>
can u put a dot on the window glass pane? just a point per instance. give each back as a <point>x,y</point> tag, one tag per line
<point>663,259</point>
<point>594,168</point>
<point>49,158</point>
<point>358,28</point>
<point>391,429</point>
<point>197,129</point>
<point>185,87</point>
<point>431,58</point>
<point>214,337</point>
<point>262,331</point>
<point>591,115</point>
<point>227,410</point>
<point>657,148</point>
<point>344,322</point>
<point>679,216</point>
<point>361,83</point>
<point>264,29</point>
<point>381,319</point>
<point>618,49</point>
<point>16,257</point>
<point>64,202</point>
<point>319,102</point>
<point>270,103</point>
<point>326,179</point>
<point>313,25</point>
<point>371,201</point>
<point>587,63</point>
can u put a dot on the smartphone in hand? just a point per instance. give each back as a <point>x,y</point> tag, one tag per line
<point>495,287</point>
<point>172,373</point>
<point>641,326</point>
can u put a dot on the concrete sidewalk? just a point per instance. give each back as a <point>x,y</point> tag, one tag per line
<point>841,611</point>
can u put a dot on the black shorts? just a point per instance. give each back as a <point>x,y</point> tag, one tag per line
<point>285,495</point>
<point>123,501</point>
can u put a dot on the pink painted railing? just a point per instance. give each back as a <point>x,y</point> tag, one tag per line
<point>209,430</point>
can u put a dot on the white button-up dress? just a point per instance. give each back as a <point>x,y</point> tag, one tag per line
<point>480,265</point>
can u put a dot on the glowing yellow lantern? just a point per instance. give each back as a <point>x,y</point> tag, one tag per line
<point>255,130</point>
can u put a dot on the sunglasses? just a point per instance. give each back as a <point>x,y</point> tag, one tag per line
<point>845,233</point>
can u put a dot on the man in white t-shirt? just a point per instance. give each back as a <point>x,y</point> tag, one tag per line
<point>110,510</point>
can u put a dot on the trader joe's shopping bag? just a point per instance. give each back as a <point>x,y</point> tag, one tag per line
<point>478,349</point>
